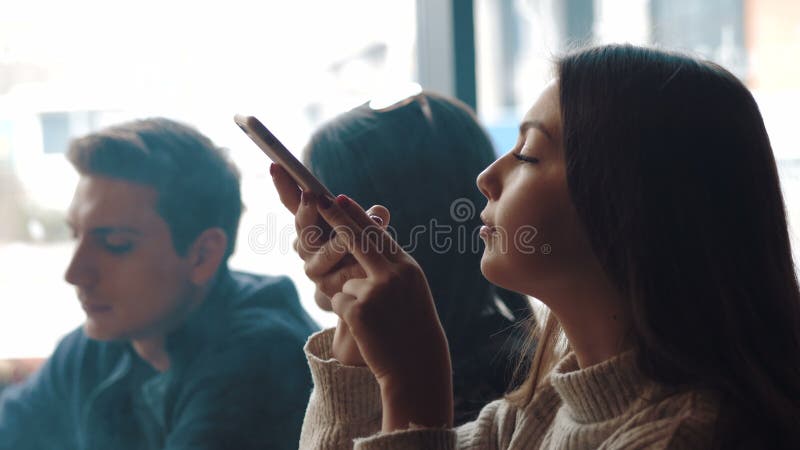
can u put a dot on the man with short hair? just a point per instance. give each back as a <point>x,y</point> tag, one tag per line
<point>177,352</point>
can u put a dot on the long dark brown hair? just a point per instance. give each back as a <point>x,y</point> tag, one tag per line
<point>671,171</point>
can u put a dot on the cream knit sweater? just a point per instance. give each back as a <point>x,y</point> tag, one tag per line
<point>606,406</point>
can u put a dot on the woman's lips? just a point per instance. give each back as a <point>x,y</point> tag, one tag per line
<point>487,229</point>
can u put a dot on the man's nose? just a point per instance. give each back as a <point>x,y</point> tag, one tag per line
<point>81,270</point>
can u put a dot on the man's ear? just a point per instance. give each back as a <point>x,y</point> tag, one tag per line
<point>206,255</point>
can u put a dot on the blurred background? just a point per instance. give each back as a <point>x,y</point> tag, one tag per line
<point>71,67</point>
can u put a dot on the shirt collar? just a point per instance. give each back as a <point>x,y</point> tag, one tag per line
<point>204,324</point>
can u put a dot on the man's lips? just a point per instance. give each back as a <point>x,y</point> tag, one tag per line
<point>94,308</point>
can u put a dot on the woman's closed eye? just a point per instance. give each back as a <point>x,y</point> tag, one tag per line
<point>524,158</point>
<point>523,149</point>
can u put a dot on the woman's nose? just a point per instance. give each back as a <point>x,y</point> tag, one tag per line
<point>488,183</point>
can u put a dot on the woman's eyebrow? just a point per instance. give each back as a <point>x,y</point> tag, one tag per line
<point>524,126</point>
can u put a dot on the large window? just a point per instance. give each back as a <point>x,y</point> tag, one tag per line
<point>68,68</point>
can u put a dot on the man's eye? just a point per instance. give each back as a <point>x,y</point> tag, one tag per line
<point>118,248</point>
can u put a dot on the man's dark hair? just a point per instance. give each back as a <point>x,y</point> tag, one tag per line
<point>197,184</point>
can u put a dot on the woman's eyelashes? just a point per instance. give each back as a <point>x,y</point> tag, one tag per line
<point>523,149</point>
<point>528,159</point>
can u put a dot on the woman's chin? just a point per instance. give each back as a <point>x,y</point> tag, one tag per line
<point>491,270</point>
<point>513,274</point>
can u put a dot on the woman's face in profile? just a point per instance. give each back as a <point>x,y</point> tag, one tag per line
<point>534,242</point>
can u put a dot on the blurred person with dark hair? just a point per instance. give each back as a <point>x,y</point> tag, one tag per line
<point>419,157</point>
<point>177,351</point>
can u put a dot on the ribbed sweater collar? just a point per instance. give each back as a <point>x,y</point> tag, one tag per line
<point>599,392</point>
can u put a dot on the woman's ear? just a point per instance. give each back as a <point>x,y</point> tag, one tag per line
<point>206,255</point>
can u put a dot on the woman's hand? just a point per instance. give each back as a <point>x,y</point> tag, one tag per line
<point>327,261</point>
<point>387,317</point>
<point>391,317</point>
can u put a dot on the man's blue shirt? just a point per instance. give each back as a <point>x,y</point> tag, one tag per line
<point>238,379</point>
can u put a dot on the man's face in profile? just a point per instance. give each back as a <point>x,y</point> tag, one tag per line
<point>129,279</point>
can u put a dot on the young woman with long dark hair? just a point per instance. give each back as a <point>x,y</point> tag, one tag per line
<point>651,176</point>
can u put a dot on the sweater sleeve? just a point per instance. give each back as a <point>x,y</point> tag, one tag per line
<point>344,412</point>
<point>492,430</point>
<point>345,402</point>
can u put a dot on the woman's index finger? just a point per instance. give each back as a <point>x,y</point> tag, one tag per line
<point>288,190</point>
<point>385,244</point>
<point>367,244</point>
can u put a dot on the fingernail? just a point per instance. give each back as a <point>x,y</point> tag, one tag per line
<point>272,168</point>
<point>342,200</point>
<point>325,202</point>
<point>376,219</point>
<point>303,198</point>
